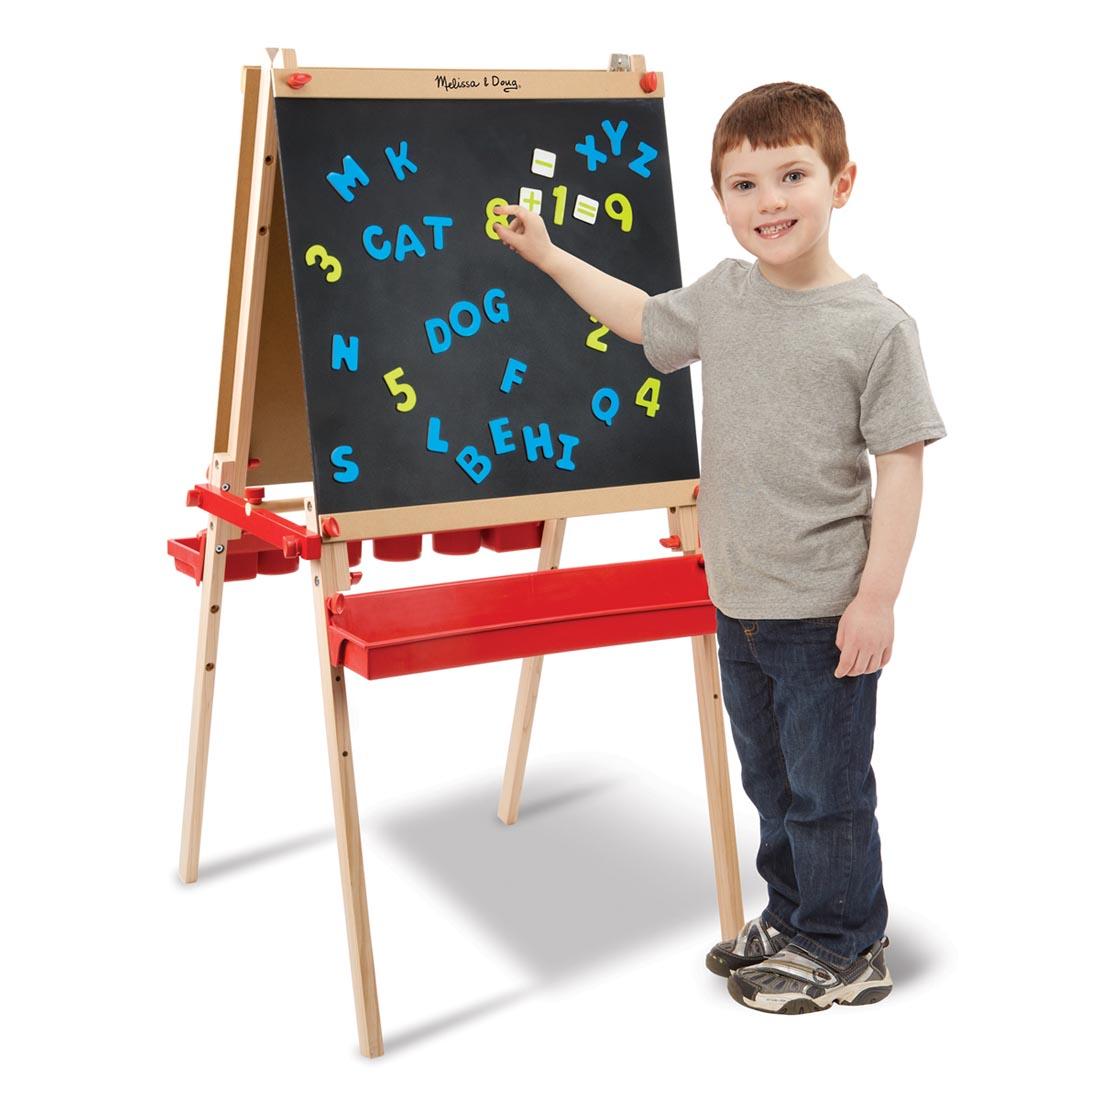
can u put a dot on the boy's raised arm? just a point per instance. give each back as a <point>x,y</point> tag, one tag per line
<point>613,302</point>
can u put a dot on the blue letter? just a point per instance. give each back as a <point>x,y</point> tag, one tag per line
<point>615,135</point>
<point>513,375</point>
<point>346,469</point>
<point>568,442</point>
<point>608,395</point>
<point>345,181</point>
<point>496,315</point>
<point>590,152</point>
<point>501,436</point>
<point>645,154</point>
<point>400,161</point>
<point>438,222</point>
<point>535,443</point>
<point>373,249</point>
<point>407,241</point>
<point>468,457</point>
<point>460,308</point>
<point>345,351</point>
<point>439,336</point>
<point>440,446</point>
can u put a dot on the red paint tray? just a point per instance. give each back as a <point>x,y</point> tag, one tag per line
<point>406,630</point>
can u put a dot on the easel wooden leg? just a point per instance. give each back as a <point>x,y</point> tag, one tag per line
<point>723,837</point>
<point>553,532</point>
<point>202,700</point>
<point>326,572</point>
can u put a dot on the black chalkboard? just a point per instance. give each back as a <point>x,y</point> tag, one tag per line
<point>412,244</point>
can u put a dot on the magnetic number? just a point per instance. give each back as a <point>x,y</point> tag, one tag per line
<point>647,396</point>
<point>494,219</point>
<point>594,340</point>
<point>403,389</point>
<point>559,194</point>
<point>316,254</point>
<point>618,207</point>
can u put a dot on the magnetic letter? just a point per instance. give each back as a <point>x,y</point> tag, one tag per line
<point>437,223</point>
<point>373,249</point>
<point>513,375</point>
<point>346,470</point>
<point>615,135</point>
<point>588,150</point>
<point>345,182</point>
<point>541,442</point>
<point>439,335</point>
<point>407,241</point>
<point>605,404</point>
<point>400,161</point>
<point>646,153</point>
<point>501,435</point>
<point>440,446</point>
<point>468,458</point>
<point>345,352</point>
<point>568,442</point>
<point>460,308</point>
<point>496,315</point>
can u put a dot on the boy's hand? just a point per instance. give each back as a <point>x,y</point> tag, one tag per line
<point>864,636</point>
<point>526,234</point>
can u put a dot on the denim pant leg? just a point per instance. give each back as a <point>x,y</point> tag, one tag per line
<point>826,735</point>
<point>748,694</point>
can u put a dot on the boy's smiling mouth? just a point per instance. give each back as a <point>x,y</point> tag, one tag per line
<point>770,233</point>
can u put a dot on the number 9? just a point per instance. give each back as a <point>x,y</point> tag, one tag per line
<point>618,207</point>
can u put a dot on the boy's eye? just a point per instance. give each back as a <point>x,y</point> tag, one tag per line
<point>792,172</point>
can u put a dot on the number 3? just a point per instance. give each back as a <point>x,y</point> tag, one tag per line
<point>328,263</point>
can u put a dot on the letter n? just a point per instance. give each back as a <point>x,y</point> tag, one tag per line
<point>345,352</point>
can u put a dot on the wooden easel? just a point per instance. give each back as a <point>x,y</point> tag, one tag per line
<point>262,410</point>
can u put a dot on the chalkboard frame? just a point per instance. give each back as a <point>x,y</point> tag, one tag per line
<point>330,83</point>
<point>279,437</point>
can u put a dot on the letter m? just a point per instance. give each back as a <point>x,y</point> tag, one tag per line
<point>346,181</point>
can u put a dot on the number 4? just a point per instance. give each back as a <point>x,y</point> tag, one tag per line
<point>647,396</point>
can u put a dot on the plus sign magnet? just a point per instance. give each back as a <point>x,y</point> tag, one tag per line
<point>531,197</point>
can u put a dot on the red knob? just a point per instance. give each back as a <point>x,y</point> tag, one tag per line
<point>330,527</point>
<point>671,543</point>
<point>298,80</point>
<point>255,494</point>
<point>335,603</point>
<point>648,82</point>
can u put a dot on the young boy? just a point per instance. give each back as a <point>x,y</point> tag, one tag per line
<point>805,369</point>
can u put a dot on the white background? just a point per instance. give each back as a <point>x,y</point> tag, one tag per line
<point>566,952</point>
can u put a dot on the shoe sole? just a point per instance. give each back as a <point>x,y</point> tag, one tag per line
<point>868,993</point>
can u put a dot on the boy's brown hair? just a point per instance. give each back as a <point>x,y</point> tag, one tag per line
<point>782,114</point>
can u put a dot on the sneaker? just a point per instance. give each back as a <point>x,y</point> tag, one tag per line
<point>757,941</point>
<point>792,981</point>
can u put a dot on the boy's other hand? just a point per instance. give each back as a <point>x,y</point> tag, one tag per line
<point>526,234</point>
<point>864,636</point>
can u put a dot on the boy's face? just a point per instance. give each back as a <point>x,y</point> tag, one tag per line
<point>760,186</point>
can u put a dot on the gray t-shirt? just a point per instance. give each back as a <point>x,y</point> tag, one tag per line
<point>797,386</point>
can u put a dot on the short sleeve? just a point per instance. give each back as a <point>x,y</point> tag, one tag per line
<point>896,407</point>
<point>670,325</point>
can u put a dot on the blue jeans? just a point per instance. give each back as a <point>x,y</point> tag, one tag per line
<point>804,739</point>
